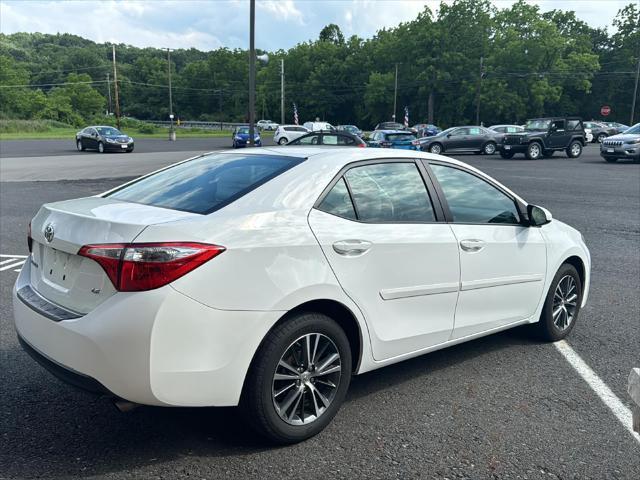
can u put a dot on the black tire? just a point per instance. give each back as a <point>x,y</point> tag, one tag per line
<point>506,155</point>
<point>283,141</point>
<point>257,403</point>
<point>130,149</point>
<point>101,147</point>
<point>534,151</point>
<point>600,138</point>
<point>546,328</point>
<point>489,148</point>
<point>80,145</point>
<point>436,148</point>
<point>611,160</point>
<point>574,150</point>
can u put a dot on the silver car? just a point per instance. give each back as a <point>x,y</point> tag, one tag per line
<point>625,145</point>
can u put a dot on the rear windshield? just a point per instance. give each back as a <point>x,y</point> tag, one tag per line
<point>207,183</point>
<point>400,137</point>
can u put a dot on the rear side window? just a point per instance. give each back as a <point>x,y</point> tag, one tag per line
<point>205,184</point>
<point>338,202</point>
<point>390,193</point>
<point>574,125</point>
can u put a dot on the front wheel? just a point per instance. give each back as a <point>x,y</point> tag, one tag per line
<point>574,150</point>
<point>436,148</point>
<point>79,145</point>
<point>601,137</point>
<point>534,151</point>
<point>489,148</point>
<point>298,378</point>
<point>101,147</point>
<point>562,305</point>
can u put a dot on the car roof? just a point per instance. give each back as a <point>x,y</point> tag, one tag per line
<point>395,131</point>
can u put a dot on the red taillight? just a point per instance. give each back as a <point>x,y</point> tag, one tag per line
<point>29,238</point>
<point>135,267</point>
<point>362,145</point>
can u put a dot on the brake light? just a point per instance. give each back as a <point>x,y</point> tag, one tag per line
<point>136,267</point>
<point>362,145</point>
<point>29,238</point>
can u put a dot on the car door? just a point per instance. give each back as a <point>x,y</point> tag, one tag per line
<point>558,135</point>
<point>502,262</point>
<point>457,139</point>
<point>91,139</point>
<point>475,140</point>
<point>379,230</point>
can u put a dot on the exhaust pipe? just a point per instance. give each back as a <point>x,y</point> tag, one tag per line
<point>125,406</point>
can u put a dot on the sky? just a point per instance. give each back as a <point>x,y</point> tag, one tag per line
<point>210,24</point>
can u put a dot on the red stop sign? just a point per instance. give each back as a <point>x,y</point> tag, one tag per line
<point>605,110</point>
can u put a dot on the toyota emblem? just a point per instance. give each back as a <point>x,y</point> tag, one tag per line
<point>49,233</point>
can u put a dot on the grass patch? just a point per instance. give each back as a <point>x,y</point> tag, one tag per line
<point>52,130</point>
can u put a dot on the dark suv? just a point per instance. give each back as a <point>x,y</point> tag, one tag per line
<point>544,136</point>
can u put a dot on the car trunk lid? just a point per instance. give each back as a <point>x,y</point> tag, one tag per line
<point>60,229</point>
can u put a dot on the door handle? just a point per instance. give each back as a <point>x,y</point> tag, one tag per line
<point>471,245</point>
<point>351,248</point>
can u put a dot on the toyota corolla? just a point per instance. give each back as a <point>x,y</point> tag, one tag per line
<point>266,279</point>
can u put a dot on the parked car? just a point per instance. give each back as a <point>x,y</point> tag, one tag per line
<point>425,130</point>
<point>618,127</point>
<point>622,146</point>
<point>542,137</point>
<point>390,126</point>
<point>401,139</point>
<point>240,137</point>
<point>473,139</point>
<point>267,279</point>
<point>352,129</point>
<point>340,139</point>
<point>103,139</point>
<point>286,133</point>
<point>267,125</point>
<point>506,128</point>
<point>319,126</point>
<point>599,130</point>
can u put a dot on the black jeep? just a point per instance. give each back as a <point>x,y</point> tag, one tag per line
<point>544,136</point>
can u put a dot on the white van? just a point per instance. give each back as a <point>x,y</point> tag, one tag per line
<point>317,126</point>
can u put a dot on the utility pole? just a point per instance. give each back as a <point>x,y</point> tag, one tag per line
<point>252,71</point>
<point>635,93</point>
<point>282,91</point>
<point>395,96</point>
<point>115,87</point>
<point>172,132</point>
<point>110,109</point>
<point>479,91</point>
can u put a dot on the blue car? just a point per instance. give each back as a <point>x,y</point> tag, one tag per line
<point>241,137</point>
<point>425,130</point>
<point>394,139</point>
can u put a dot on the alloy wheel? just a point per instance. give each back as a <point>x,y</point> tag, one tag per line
<point>565,302</point>
<point>534,150</point>
<point>79,145</point>
<point>489,149</point>
<point>306,379</point>
<point>575,149</point>
<point>435,149</point>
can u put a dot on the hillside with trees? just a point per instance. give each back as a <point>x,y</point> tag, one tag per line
<point>533,64</point>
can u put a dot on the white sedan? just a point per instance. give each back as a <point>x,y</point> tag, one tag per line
<point>267,278</point>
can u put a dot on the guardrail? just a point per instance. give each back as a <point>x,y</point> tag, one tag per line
<point>634,391</point>
<point>196,124</point>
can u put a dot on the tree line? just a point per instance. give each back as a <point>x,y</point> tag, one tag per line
<point>516,62</point>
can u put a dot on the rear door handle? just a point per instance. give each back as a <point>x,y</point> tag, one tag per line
<point>471,245</point>
<point>351,248</point>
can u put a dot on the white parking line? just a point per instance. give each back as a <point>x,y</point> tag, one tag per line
<point>619,409</point>
<point>12,265</point>
<point>13,256</point>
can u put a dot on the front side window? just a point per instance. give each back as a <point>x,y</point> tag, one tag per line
<point>205,184</point>
<point>558,125</point>
<point>390,193</point>
<point>473,200</point>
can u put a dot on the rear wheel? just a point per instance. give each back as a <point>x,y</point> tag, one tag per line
<point>574,150</point>
<point>298,379</point>
<point>562,305</point>
<point>101,147</point>
<point>436,148</point>
<point>79,145</point>
<point>283,141</point>
<point>506,155</point>
<point>489,148</point>
<point>534,151</point>
<point>601,137</point>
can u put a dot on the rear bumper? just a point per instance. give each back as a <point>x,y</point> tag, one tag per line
<point>155,348</point>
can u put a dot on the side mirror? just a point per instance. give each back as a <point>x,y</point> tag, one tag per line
<point>538,216</point>
<point>448,135</point>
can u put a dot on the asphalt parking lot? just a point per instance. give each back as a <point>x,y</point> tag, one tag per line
<point>504,406</point>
